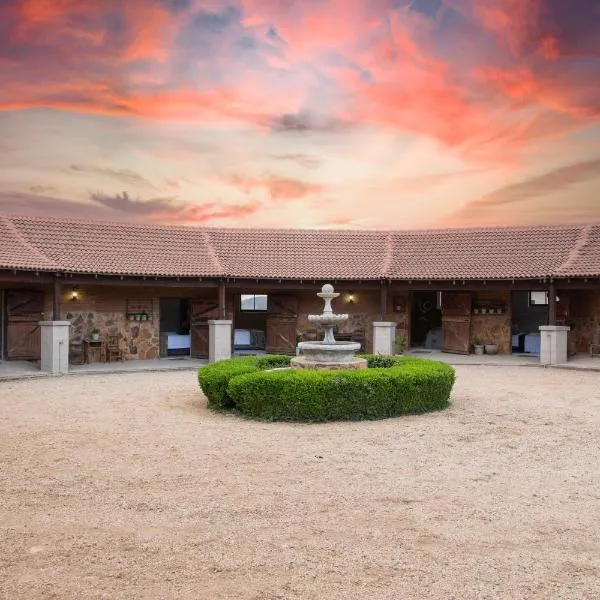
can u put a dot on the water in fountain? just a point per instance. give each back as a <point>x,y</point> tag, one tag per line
<point>328,354</point>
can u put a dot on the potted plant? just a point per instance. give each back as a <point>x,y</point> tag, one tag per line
<point>491,348</point>
<point>400,344</point>
<point>478,346</point>
<point>95,333</point>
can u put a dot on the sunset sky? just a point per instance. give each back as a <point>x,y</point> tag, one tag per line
<point>390,114</point>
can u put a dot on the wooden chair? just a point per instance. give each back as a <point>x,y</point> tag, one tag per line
<point>113,352</point>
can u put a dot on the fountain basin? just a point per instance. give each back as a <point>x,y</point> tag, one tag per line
<point>328,356</point>
<point>328,318</point>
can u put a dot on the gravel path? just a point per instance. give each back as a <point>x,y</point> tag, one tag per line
<point>125,486</point>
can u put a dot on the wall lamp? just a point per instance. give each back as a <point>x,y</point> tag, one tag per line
<point>74,295</point>
<point>350,298</point>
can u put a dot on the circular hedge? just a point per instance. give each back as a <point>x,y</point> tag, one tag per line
<point>391,386</point>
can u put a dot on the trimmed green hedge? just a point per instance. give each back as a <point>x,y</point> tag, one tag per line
<point>391,386</point>
<point>214,378</point>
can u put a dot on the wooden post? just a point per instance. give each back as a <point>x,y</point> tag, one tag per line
<point>384,295</point>
<point>56,299</point>
<point>222,298</point>
<point>552,303</point>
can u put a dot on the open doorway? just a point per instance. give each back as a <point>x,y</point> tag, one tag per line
<point>250,323</point>
<point>175,327</point>
<point>426,320</point>
<point>529,311</point>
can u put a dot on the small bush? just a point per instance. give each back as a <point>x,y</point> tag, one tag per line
<point>410,385</point>
<point>379,360</point>
<point>214,378</point>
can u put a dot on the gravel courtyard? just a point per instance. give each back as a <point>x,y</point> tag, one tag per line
<point>126,486</point>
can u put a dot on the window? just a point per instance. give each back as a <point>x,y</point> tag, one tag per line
<point>538,298</point>
<point>253,302</point>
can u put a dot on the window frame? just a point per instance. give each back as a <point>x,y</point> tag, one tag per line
<point>532,303</point>
<point>254,310</point>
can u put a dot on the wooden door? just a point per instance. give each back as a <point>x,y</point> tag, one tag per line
<point>24,309</point>
<point>456,322</point>
<point>201,311</point>
<point>281,325</point>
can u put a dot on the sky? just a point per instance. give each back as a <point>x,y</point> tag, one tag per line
<point>368,114</point>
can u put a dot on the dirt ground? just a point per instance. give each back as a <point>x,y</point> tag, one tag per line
<point>126,486</point>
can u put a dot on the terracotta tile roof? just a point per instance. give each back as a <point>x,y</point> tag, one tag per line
<point>502,252</point>
<point>70,245</point>
<point>17,253</point>
<point>300,254</point>
<point>121,248</point>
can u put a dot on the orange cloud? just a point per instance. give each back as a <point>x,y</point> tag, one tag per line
<point>533,196</point>
<point>278,188</point>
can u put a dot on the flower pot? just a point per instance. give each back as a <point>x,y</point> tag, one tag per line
<point>95,337</point>
<point>491,348</point>
<point>478,349</point>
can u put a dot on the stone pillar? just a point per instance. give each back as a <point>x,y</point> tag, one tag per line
<point>553,344</point>
<point>55,347</point>
<point>219,340</point>
<point>384,337</point>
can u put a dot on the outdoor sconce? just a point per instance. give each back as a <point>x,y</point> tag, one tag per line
<point>74,296</point>
<point>350,298</point>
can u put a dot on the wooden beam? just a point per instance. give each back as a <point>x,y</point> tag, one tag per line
<point>8,277</point>
<point>468,286</point>
<point>384,299</point>
<point>133,282</point>
<point>56,289</point>
<point>552,303</point>
<point>274,286</point>
<point>222,300</point>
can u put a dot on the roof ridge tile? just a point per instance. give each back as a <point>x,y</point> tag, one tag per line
<point>582,240</point>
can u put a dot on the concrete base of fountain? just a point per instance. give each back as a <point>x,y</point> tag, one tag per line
<point>328,356</point>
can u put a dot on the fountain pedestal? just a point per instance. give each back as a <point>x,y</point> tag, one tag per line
<point>328,354</point>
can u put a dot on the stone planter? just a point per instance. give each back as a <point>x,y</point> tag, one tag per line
<point>478,349</point>
<point>491,348</point>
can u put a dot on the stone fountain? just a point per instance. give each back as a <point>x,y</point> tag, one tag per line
<point>328,354</point>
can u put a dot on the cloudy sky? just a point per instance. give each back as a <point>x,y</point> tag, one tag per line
<point>302,113</point>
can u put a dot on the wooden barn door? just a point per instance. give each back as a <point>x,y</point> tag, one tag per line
<point>24,309</point>
<point>282,318</point>
<point>201,311</point>
<point>456,322</point>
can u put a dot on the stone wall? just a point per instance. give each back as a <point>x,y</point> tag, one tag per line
<point>106,309</point>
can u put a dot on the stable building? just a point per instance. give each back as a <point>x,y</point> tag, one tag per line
<point>103,290</point>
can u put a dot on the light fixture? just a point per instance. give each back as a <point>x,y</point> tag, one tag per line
<point>350,298</point>
<point>74,295</point>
